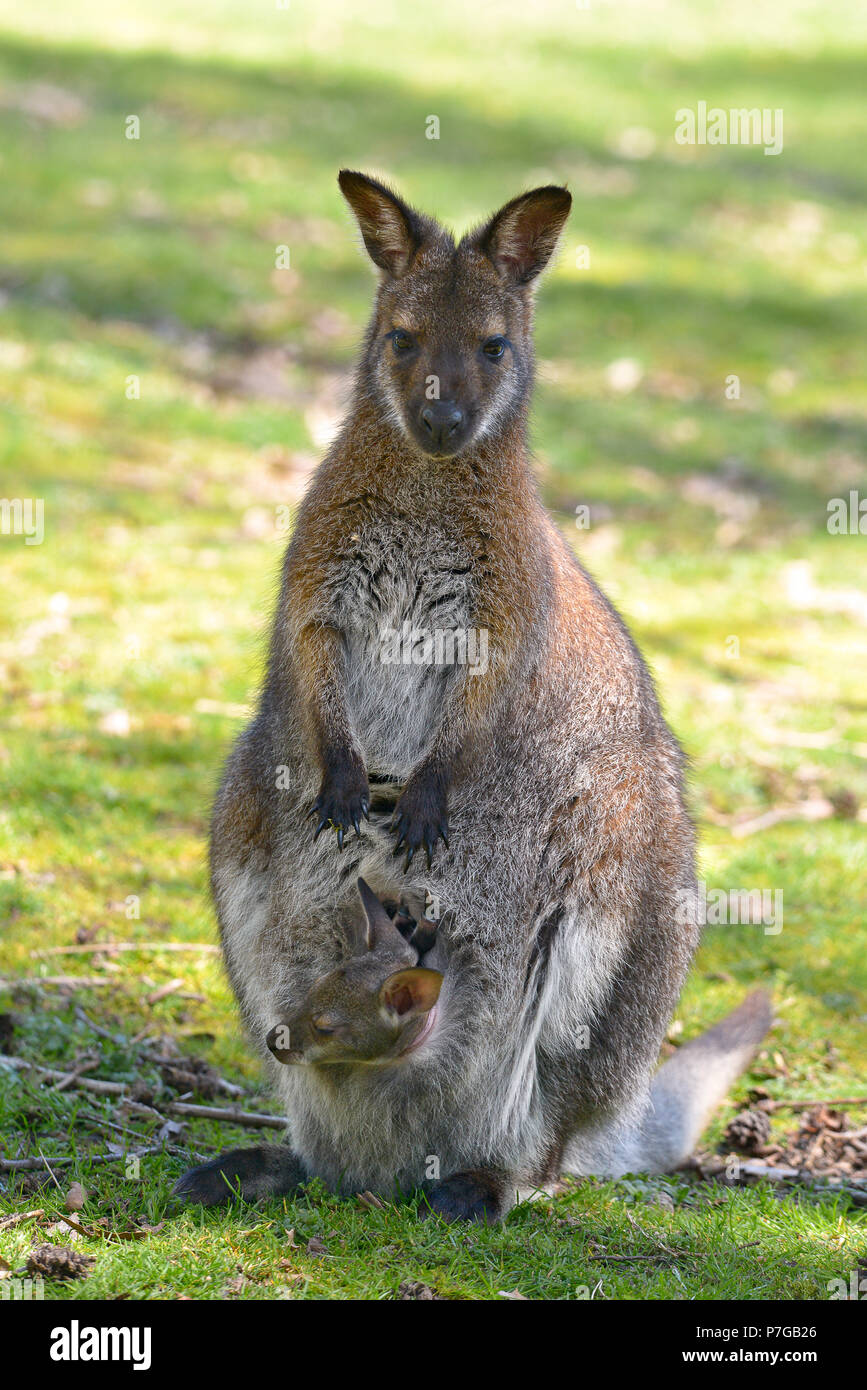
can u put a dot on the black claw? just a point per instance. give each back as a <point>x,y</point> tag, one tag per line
<point>340,837</point>
<point>443,831</point>
<point>356,827</point>
<point>428,848</point>
<point>410,852</point>
<point>365,809</point>
<point>320,827</point>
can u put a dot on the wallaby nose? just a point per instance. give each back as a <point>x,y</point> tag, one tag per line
<point>440,421</point>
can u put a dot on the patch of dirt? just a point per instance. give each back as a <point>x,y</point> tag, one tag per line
<point>190,1074</point>
<point>825,1144</point>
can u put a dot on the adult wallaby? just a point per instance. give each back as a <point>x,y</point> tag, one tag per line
<point>541,785</point>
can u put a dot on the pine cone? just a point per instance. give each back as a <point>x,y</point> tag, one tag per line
<point>411,1290</point>
<point>749,1131</point>
<point>58,1262</point>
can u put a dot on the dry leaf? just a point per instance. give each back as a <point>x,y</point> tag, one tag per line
<point>370,1199</point>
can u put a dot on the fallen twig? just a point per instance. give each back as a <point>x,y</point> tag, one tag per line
<point>227,1087</point>
<point>816,809</point>
<point>110,947</point>
<point>87,1065</point>
<point>174,1107</point>
<point>30,1165</point>
<point>764,1104</point>
<point>117,1038</point>
<point>230,1116</point>
<point>51,1172</point>
<point>87,1083</point>
<point>847,1136</point>
<point>165,990</point>
<point>74,981</point>
<point>19,1217</point>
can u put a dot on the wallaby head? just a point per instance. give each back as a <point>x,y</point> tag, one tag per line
<point>374,1007</point>
<point>449,349</point>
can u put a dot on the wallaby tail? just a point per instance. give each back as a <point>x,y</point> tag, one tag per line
<point>688,1087</point>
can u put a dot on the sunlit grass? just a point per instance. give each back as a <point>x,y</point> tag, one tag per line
<point>131,638</point>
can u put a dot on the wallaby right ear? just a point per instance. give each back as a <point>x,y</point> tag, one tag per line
<point>392,231</point>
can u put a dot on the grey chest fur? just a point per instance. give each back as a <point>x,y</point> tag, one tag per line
<point>403,596</point>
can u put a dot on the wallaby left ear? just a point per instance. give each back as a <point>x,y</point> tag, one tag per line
<point>413,991</point>
<point>521,237</point>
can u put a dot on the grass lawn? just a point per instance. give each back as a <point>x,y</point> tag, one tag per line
<point>166,389</point>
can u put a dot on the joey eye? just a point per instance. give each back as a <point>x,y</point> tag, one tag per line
<point>324,1027</point>
<point>494,348</point>
<point>402,341</point>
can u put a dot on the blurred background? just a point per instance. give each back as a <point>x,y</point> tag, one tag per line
<point>178,315</point>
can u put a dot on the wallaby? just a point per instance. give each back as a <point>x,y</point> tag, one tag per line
<point>374,1008</point>
<point>542,786</point>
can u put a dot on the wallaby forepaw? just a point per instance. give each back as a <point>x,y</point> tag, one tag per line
<point>476,1195</point>
<point>342,801</point>
<point>421,817</point>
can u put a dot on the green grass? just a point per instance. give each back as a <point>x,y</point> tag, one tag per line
<point>151,592</point>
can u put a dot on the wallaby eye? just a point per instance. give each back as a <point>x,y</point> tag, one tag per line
<point>494,348</point>
<point>402,341</point>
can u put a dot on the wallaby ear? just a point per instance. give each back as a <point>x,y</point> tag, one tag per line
<point>392,231</point>
<point>377,919</point>
<point>521,237</point>
<point>413,991</point>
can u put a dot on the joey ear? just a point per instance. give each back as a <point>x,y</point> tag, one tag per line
<point>413,991</point>
<point>377,920</point>
<point>392,232</point>
<point>521,237</point>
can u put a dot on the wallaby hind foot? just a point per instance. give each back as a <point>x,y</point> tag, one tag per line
<point>477,1195</point>
<point>271,1170</point>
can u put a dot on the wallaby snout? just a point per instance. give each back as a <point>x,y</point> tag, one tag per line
<point>442,426</point>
